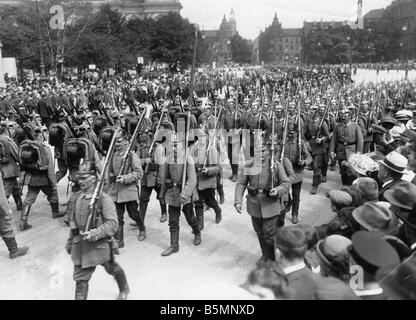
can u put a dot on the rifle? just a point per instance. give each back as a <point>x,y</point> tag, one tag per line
<point>211,142</point>
<point>300,133</point>
<point>188,126</point>
<point>100,184</point>
<point>152,146</point>
<point>104,112</point>
<point>133,141</point>
<point>321,122</point>
<point>21,120</point>
<point>272,160</point>
<point>74,119</point>
<point>284,135</point>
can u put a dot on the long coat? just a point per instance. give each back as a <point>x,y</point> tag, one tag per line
<point>173,173</point>
<point>90,254</point>
<point>260,205</point>
<point>346,140</point>
<point>128,191</point>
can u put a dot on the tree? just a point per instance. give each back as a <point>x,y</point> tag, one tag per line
<point>241,50</point>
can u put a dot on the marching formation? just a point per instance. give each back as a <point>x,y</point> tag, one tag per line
<point>120,139</point>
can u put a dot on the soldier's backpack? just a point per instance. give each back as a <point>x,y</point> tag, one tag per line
<point>106,136</point>
<point>5,155</point>
<point>75,149</point>
<point>33,156</point>
<point>57,134</point>
<point>99,124</point>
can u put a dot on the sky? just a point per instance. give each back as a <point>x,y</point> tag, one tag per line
<point>255,15</point>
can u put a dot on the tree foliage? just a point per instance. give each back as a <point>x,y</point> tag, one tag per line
<point>241,50</point>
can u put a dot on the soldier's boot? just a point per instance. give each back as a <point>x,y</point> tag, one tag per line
<point>55,211</point>
<point>281,220</point>
<point>122,284</point>
<point>142,235</point>
<point>315,183</point>
<point>164,216</point>
<point>270,252</point>
<point>174,244</point>
<point>18,200</point>
<point>218,214</point>
<point>295,219</point>
<point>199,219</point>
<point>24,225</point>
<point>324,178</point>
<point>119,236</point>
<point>220,190</point>
<point>81,290</point>
<point>197,238</point>
<point>263,246</point>
<point>14,250</point>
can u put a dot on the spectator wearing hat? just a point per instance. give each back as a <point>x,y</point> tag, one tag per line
<point>363,190</point>
<point>376,217</point>
<point>333,257</point>
<point>384,143</point>
<point>372,254</point>
<point>391,172</point>
<point>291,246</point>
<point>343,223</point>
<point>403,205</point>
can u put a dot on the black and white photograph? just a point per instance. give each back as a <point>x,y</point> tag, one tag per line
<point>207,150</point>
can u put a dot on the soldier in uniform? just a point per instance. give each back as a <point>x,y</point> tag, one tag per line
<point>9,158</point>
<point>90,248</point>
<point>123,186</point>
<point>6,225</point>
<point>264,200</point>
<point>318,138</point>
<point>369,119</point>
<point>153,162</point>
<point>347,139</point>
<point>207,167</point>
<point>37,181</point>
<point>178,196</point>
<point>299,159</point>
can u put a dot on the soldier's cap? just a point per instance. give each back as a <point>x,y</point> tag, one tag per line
<point>313,107</point>
<point>344,111</point>
<point>378,129</point>
<point>388,120</point>
<point>96,112</point>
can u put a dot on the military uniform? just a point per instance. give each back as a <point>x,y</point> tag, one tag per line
<point>152,178</point>
<point>291,152</point>
<point>262,208</point>
<point>6,225</point>
<point>37,181</point>
<point>319,151</point>
<point>347,139</point>
<point>206,182</point>
<point>233,123</point>
<point>87,254</point>
<point>173,190</point>
<point>125,194</point>
<point>10,169</point>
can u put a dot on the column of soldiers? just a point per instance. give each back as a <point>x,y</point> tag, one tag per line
<point>278,131</point>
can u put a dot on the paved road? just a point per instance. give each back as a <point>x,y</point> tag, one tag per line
<point>212,271</point>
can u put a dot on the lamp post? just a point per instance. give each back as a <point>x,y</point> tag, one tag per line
<point>2,82</point>
<point>42,62</point>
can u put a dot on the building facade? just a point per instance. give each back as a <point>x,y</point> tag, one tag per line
<point>218,42</point>
<point>129,8</point>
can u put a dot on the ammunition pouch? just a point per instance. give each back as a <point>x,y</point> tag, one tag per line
<point>171,185</point>
<point>266,192</point>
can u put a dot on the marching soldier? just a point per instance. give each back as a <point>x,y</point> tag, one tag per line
<point>6,225</point>
<point>264,201</point>
<point>368,119</point>
<point>153,162</point>
<point>207,166</point>
<point>38,173</point>
<point>89,249</point>
<point>318,135</point>
<point>123,188</point>
<point>299,159</point>
<point>347,139</point>
<point>178,195</point>
<point>9,158</point>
